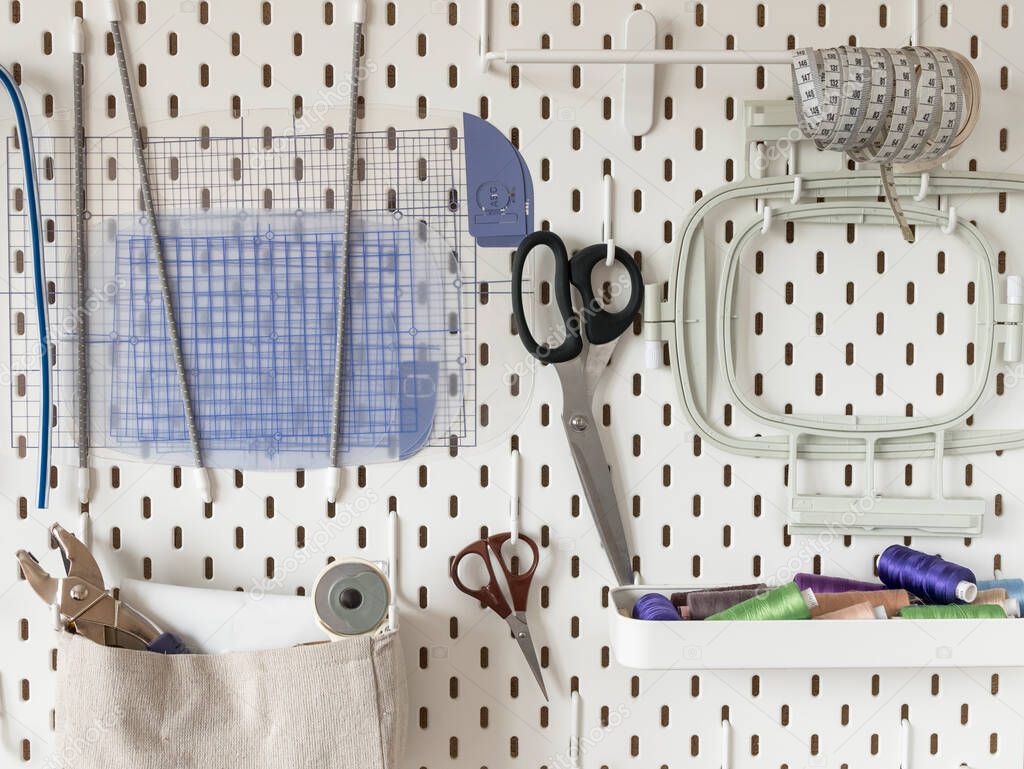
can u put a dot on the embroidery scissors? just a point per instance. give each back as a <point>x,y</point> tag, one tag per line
<point>491,595</point>
<point>580,359</point>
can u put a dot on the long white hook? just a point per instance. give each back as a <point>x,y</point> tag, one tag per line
<point>766,224</point>
<point>904,744</point>
<point>574,730</point>
<point>726,744</point>
<point>515,482</point>
<point>607,234</point>
<point>393,569</point>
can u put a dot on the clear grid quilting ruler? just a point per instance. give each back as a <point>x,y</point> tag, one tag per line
<point>415,175</point>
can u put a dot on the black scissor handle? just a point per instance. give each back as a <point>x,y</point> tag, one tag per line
<point>572,345</point>
<point>600,325</point>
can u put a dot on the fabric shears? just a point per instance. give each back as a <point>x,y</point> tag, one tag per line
<point>491,595</point>
<point>86,607</point>
<point>579,359</point>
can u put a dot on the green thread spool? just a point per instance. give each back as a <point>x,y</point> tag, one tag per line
<point>954,611</point>
<point>786,602</point>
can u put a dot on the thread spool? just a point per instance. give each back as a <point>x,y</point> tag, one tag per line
<point>862,610</point>
<point>680,599</point>
<point>350,598</point>
<point>1014,589</point>
<point>703,604</point>
<point>996,595</point>
<point>954,611</point>
<point>820,583</point>
<point>891,600</point>
<point>928,577</point>
<point>656,607</point>
<point>786,602</point>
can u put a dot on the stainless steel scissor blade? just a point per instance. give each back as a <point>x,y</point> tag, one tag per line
<point>592,466</point>
<point>521,632</point>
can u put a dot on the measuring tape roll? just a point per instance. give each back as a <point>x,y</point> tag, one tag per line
<point>351,597</point>
<point>910,107</point>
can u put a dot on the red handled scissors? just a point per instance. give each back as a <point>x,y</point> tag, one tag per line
<point>491,596</point>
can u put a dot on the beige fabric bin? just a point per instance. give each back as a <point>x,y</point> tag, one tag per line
<point>340,705</point>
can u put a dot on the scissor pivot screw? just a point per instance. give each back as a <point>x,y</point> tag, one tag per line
<point>578,423</point>
<point>78,592</point>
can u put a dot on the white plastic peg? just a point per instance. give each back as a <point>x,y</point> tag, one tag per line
<point>515,483</point>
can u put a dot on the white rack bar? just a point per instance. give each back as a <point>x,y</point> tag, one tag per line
<point>626,56</point>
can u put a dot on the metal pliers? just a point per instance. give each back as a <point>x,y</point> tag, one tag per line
<point>86,607</point>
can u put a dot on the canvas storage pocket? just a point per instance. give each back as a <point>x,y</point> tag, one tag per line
<point>341,704</point>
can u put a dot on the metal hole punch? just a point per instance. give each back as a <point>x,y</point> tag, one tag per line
<point>85,607</point>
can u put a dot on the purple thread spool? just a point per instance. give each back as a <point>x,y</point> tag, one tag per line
<point>680,599</point>
<point>655,606</point>
<point>705,604</point>
<point>819,583</point>
<point>926,576</point>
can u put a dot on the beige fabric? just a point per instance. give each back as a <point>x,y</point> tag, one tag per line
<point>339,705</point>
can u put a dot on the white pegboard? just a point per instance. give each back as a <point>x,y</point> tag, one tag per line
<point>694,513</point>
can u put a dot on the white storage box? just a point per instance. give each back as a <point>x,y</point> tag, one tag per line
<point>809,644</point>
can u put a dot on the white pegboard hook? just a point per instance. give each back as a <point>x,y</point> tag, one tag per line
<point>922,191</point>
<point>515,483</point>
<point>798,188</point>
<point>485,36</point>
<point>85,529</point>
<point>606,233</point>
<point>904,744</point>
<point>766,223</point>
<point>393,569</point>
<point>575,711</point>
<point>726,744</point>
<point>951,222</point>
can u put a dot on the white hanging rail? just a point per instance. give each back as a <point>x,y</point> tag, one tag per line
<point>634,55</point>
<point>626,56</point>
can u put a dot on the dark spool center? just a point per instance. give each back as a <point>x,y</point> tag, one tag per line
<point>351,598</point>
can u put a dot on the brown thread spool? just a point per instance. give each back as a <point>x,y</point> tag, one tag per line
<point>995,595</point>
<point>862,610</point>
<point>892,600</point>
<point>680,599</point>
<point>704,603</point>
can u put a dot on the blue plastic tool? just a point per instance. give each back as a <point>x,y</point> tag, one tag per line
<point>499,189</point>
<point>257,294</point>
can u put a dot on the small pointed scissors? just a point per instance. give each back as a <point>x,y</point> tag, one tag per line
<point>491,596</point>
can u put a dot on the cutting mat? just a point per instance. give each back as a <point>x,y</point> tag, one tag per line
<point>694,513</point>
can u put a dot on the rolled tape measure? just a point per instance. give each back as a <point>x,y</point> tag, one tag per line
<point>908,107</point>
<point>351,598</point>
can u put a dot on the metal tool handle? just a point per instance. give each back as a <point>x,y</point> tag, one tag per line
<point>572,345</point>
<point>518,584</point>
<point>490,594</point>
<point>599,324</point>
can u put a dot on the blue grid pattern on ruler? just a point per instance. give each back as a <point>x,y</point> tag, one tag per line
<point>258,332</point>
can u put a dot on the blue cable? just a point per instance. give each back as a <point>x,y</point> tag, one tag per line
<point>39,280</point>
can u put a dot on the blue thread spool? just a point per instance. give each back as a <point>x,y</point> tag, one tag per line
<point>655,606</point>
<point>926,576</point>
<point>1014,589</point>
